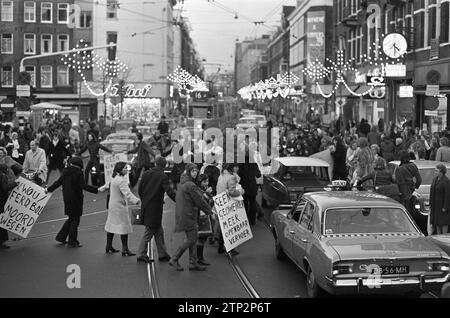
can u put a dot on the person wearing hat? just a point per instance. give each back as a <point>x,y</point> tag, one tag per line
<point>144,151</point>
<point>73,184</point>
<point>189,200</point>
<point>153,185</point>
<point>439,216</point>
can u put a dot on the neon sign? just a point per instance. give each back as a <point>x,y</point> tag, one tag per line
<point>130,92</point>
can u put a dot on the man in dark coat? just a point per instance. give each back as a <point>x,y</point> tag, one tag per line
<point>408,178</point>
<point>72,181</point>
<point>248,173</point>
<point>440,201</point>
<point>93,146</point>
<point>189,200</point>
<point>5,188</point>
<point>163,127</point>
<point>153,185</point>
<point>144,152</point>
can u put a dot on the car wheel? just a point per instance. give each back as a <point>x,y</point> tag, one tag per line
<point>313,289</point>
<point>279,252</point>
<point>264,202</point>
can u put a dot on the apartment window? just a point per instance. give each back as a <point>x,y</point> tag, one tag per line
<point>46,12</point>
<point>32,71</point>
<point>111,9</point>
<point>419,27</point>
<point>46,43</point>
<point>432,19</point>
<point>86,19</point>
<point>445,10</point>
<point>46,76</point>
<point>29,11</point>
<point>63,42</point>
<point>63,75</point>
<point>7,76</point>
<point>29,44</point>
<point>7,11</point>
<point>7,43</point>
<point>63,13</point>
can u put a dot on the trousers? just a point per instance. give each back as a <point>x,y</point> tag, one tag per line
<point>159,239</point>
<point>250,208</point>
<point>190,243</point>
<point>70,228</point>
<point>92,163</point>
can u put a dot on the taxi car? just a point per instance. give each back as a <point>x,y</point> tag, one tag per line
<point>421,196</point>
<point>350,242</point>
<point>291,177</point>
<point>118,143</point>
<point>247,122</point>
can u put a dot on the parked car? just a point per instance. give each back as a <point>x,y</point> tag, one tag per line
<point>353,242</point>
<point>247,122</point>
<point>291,177</point>
<point>421,196</point>
<point>118,143</point>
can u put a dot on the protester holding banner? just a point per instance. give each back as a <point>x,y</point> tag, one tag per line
<point>119,221</point>
<point>5,188</point>
<point>227,183</point>
<point>9,162</point>
<point>153,185</point>
<point>94,147</point>
<point>189,201</point>
<point>73,184</point>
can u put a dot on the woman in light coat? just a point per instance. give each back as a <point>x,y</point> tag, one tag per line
<point>119,221</point>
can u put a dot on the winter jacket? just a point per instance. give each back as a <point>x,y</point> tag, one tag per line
<point>94,147</point>
<point>443,154</point>
<point>387,149</point>
<point>404,176</point>
<point>72,181</point>
<point>153,185</point>
<point>248,173</point>
<point>5,187</point>
<point>228,181</point>
<point>57,154</point>
<point>440,199</point>
<point>189,200</point>
<point>143,154</point>
<point>119,220</point>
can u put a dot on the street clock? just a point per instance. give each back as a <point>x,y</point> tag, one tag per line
<point>394,45</point>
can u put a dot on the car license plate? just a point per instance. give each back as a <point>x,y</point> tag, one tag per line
<point>394,269</point>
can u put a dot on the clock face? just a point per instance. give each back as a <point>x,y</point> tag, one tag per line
<point>394,45</point>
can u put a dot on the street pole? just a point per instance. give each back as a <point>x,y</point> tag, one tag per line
<point>22,67</point>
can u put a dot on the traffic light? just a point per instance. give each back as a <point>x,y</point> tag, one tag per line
<point>112,38</point>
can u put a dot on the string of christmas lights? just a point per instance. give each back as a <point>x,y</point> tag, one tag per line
<point>85,60</point>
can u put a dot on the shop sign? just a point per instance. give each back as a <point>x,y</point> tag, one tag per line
<point>432,90</point>
<point>406,91</point>
<point>23,90</point>
<point>130,92</point>
<point>7,105</point>
<point>377,92</point>
<point>431,113</point>
<point>395,70</point>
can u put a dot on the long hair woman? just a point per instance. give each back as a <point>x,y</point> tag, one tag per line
<point>119,221</point>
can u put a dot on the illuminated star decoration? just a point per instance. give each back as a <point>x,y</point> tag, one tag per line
<point>86,60</point>
<point>185,81</point>
<point>270,88</point>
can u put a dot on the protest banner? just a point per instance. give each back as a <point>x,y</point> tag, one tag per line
<point>25,203</point>
<point>109,161</point>
<point>233,220</point>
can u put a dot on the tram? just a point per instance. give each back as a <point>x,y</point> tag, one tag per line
<point>208,112</point>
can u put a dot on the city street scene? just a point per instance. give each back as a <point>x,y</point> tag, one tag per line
<point>225,149</point>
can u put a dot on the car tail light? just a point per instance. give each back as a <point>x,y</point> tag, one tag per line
<point>438,266</point>
<point>339,269</point>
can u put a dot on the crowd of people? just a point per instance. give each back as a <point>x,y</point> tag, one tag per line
<point>360,154</point>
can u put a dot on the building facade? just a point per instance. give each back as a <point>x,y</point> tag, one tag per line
<point>424,24</point>
<point>31,28</point>
<point>143,32</point>
<point>311,40</point>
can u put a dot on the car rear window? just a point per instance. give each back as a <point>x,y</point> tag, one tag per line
<point>427,175</point>
<point>367,220</point>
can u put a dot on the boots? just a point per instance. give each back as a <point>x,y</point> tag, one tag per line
<point>200,257</point>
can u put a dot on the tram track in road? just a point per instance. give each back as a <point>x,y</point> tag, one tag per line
<point>242,277</point>
<point>151,273</point>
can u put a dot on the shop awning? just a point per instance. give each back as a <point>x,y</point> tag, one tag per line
<point>57,96</point>
<point>71,102</point>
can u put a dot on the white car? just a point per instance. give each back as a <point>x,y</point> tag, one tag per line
<point>247,112</point>
<point>247,122</point>
<point>262,121</point>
